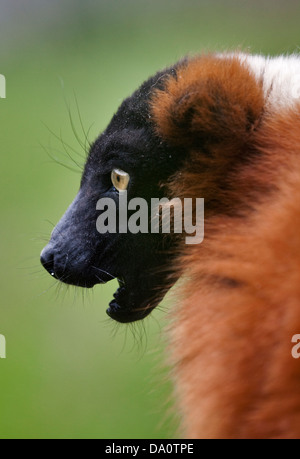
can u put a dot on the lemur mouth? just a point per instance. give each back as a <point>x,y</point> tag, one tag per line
<point>127,305</point>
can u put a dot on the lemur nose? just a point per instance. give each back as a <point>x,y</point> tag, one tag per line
<point>47,259</point>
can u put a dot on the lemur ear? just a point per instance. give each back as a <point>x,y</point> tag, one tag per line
<point>212,100</point>
<point>210,111</point>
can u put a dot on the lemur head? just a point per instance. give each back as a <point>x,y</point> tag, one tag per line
<point>176,136</point>
<point>128,150</point>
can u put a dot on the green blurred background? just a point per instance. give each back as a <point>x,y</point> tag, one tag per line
<point>69,371</point>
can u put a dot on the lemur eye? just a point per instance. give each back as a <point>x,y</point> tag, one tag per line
<point>120,179</point>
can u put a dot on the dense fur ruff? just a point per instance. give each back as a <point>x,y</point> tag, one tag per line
<point>225,128</point>
<point>231,335</point>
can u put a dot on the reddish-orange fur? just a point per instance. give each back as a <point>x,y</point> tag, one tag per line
<point>231,336</point>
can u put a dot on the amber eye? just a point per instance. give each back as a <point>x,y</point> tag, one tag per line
<point>120,179</point>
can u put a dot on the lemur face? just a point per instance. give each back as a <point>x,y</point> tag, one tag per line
<point>77,254</point>
<point>188,132</point>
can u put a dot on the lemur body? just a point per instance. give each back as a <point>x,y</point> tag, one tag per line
<point>231,125</point>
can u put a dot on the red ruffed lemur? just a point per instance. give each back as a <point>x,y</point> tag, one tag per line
<point>226,128</point>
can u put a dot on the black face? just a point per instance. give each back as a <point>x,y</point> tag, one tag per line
<point>78,254</point>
